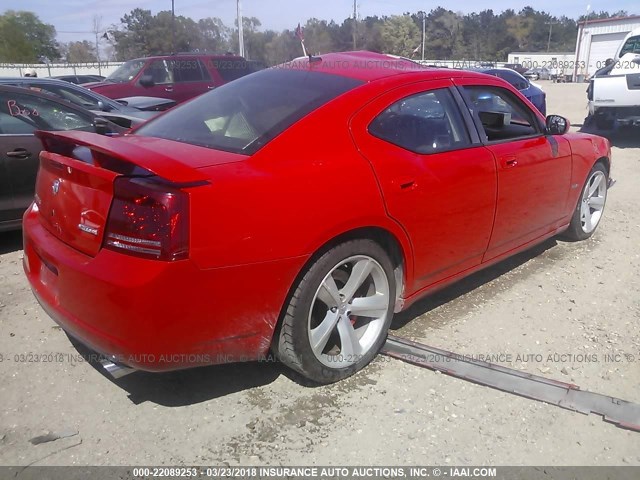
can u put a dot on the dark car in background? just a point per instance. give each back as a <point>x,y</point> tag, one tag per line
<point>127,112</point>
<point>22,112</point>
<point>80,79</point>
<point>517,67</point>
<point>533,92</point>
<point>178,77</point>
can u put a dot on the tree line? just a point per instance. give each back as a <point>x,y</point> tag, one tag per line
<point>449,36</point>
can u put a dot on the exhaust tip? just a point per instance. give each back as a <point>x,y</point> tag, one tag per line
<point>116,370</point>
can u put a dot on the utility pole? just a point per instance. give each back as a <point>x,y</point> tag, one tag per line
<point>424,32</point>
<point>551,24</point>
<point>355,22</point>
<point>96,30</point>
<point>173,28</point>
<point>240,31</point>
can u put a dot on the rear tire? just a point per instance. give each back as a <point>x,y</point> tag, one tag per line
<point>590,207</point>
<point>338,316</point>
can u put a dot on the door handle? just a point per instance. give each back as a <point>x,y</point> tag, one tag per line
<point>168,89</point>
<point>211,87</point>
<point>509,162</point>
<point>405,183</point>
<point>19,153</point>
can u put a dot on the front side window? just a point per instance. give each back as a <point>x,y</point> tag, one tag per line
<point>428,122</point>
<point>502,115</point>
<point>160,71</point>
<point>244,115</point>
<point>632,45</point>
<point>25,113</point>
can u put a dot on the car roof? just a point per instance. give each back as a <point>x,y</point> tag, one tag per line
<point>22,90</point>
<point>194,54</point>
<point>61,83</point>
<point>55,81</point>
<point>368,66</point>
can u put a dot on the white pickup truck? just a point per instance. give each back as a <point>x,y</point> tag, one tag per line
<point>614,90</point>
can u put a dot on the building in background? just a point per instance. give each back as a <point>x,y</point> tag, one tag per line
<point>558,63</point>
<point>598,40</point>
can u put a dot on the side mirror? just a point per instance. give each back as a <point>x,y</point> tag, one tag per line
<point>557,125</point>
<point>147,81</point>
<point>101,126</point>
<point>102,106</point>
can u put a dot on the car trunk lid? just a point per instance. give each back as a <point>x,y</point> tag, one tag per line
<point>75,184</point>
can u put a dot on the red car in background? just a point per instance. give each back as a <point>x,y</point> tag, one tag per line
<point>176,77</point>
<point>297,209</point>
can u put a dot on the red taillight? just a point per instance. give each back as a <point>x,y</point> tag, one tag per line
<point>148,219</point>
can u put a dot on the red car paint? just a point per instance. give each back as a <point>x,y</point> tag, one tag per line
<point>255,221</point>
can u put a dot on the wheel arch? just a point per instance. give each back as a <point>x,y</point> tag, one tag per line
<point>397,246</point>
<point>606,161</point>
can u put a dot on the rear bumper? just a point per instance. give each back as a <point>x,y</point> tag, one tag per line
<point>156,316</point>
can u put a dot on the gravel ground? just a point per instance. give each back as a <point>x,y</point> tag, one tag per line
<point>577,301</point>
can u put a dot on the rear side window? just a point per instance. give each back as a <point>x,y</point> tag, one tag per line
<point>231,70</point>
<point>74,96</point>
<point>25,113</point>
<point>244,115</point>
<point>429,122</point>
<point>189,71</point>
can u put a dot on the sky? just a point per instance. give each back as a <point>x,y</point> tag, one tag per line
<point>77,15</point>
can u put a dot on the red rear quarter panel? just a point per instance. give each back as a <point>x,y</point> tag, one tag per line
<point>303,189</point>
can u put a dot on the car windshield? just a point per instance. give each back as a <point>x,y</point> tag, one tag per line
<point>632,45</point>
<point>244,115</point>
<point>126,72</point>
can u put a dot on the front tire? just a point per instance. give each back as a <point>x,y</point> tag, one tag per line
<point>590,207</point>
<point>604,122</point>
<point>338,316</point>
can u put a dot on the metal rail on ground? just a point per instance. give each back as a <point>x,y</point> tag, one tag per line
<point>622,413</point>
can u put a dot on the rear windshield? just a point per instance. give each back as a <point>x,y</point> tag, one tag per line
<point>244,115</point>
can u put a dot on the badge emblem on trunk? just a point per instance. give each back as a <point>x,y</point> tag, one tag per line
<point>55,187</point>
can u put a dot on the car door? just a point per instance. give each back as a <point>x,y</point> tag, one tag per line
<point>6,191</point>
<point>534,170</point>
<point>160,71</point>
<point>21,113</point>
<point>19,150</point>
<point>191,78</point>
<point>437,180</point>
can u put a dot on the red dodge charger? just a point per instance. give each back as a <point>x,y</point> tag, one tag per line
<point>296,209</point>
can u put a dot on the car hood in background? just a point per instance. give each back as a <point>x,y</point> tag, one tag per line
<point>154,104</point>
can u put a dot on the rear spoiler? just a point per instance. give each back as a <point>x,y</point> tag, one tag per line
<point>105,150</point>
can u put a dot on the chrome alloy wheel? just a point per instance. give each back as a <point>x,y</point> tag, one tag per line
<point>348,311</point>
<point>593,200</point>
